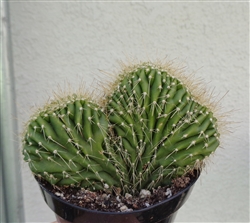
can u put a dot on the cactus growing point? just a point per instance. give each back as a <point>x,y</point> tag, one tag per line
<point>150,129</point>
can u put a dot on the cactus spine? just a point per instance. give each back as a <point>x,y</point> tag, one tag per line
<point>150,129</point>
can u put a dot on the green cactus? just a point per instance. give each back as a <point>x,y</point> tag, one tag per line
<point>67,142</point>
<point>163,129</point>
<point>150,129</point>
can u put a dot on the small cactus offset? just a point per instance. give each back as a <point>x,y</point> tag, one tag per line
<point>150,129</point>
<point>162,131</point>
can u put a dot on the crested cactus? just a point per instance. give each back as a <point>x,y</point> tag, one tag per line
<point>150,129</point>
<point>66,143</point>
<point>159,125</point>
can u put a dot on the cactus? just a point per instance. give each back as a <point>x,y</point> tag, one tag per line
<point>160,125</point>
<point>149,130</point>
<point>67,143</point>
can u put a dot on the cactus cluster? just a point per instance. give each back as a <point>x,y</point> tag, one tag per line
<point>149,130</point>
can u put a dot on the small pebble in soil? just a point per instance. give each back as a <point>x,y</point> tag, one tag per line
<point>145,193</point>
<point>124,208</point>
<point>168,193</point>
<point>106,186</point>
<point>118,199</point>
<point>127,196</point>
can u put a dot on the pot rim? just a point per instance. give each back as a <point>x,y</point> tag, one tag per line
<point>121,213</point>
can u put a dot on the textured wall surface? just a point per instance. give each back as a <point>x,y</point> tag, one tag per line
<point>58,42</point>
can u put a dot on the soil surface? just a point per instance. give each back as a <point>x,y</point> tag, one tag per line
<point>111,202</point>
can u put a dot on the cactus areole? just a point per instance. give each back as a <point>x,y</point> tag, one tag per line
<point>150,129</point>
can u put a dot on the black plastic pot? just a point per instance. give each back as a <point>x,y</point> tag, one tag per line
<point>163,212</point>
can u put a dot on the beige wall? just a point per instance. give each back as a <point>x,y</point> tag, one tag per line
<point>54,42</point>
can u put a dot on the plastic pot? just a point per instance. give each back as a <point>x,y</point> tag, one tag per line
<point>163,212</point>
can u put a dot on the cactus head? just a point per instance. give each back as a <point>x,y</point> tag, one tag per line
<point>66,142</point>
<point>161,127</point>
